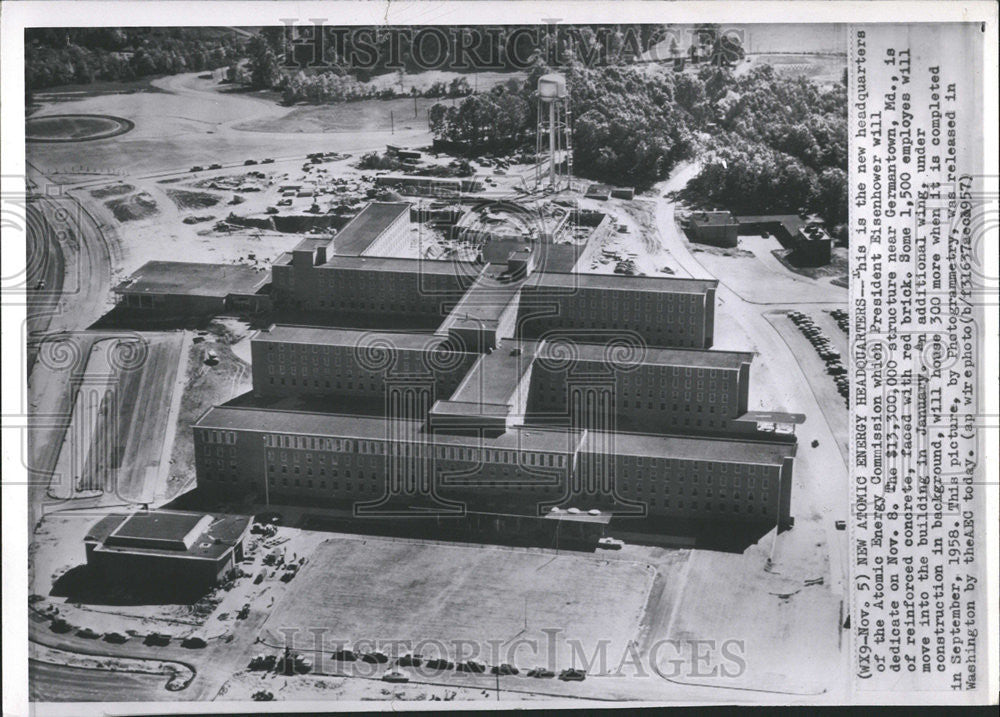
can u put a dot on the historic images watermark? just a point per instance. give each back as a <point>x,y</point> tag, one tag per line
<point>313,44</point>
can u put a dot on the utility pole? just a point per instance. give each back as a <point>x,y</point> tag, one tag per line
<point>392,123</point>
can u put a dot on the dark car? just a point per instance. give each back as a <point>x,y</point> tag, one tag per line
<point>116,638</point>
<point>194,643</point>
<point>471,666</point>
<point>250,162</point>
<point>88,633</point>
<point>440,663</point>
<point>268,160</point>
<point>504,669</point>
<point>344,655</point>
<point>59,625</point>
<point>572,675</point>
<point>375,658</point>
<point>157,639</point>
<point>215,166</point>
<point>410,661</point>
<point>197,168</point>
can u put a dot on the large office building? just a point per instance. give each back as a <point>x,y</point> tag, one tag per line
<point>514,390</point>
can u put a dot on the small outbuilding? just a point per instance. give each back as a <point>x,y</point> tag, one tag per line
<point>173,550</point>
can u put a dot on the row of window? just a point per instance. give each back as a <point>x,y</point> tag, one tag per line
<point>459,453</point>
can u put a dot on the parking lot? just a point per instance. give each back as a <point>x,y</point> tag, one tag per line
<point>490,603</point>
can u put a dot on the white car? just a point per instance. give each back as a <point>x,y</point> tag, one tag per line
<point>610,543</point>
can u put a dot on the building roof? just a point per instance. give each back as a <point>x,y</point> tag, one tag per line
<point>401,266</point>
<point>359,233</point>
<point>163,533</point>
<point>483,303</point>
<point>321,336</point>
<point>713,218</point>
<point>790,223</point>
<point>377,428</point>
<point>197,279</point>
<point>525,438</point>
<point>494,378</point>
<point>613,282</point>
<point>551,257</point>
<point>688,448</point>
<point>648,355</point>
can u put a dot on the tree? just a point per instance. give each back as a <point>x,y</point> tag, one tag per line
<point>262,64</point>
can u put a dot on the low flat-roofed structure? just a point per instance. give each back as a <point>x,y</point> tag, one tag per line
<point>192,287</point>
<point>174,549</point>
<point>718,228</point>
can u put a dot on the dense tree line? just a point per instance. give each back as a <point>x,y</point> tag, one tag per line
<point>777,145</point>
<point>60,56</point>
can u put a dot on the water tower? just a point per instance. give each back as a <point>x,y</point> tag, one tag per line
<point>553,144</point>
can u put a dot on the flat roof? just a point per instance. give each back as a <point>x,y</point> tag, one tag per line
<point>321,336</point>
<point>693,358</point>
<point>613,282</point>
<point>193,278</point>
<point>773,417</point>
<point>398,265</point>
<point>483,302</point>
<point>493,379</point>
<point>158,525</point>
<point>218,538</point>
<point>359,233</point>
<point>708,218</point>
<point>338,425</point>
<point>551,257</point>
<point>688,448</point>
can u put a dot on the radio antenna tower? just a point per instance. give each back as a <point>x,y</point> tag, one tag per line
<point>553,141</point>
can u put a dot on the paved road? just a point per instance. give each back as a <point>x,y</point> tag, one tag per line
<point>58,683</point>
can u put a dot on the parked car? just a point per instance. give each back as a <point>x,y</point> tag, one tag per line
<point>250,162</point>
<point>59,625</point>
<point>572,675</point>
<point>471,666</point>
<point>541,672</point>
<point>504,669</point>
<point>395,676</point>
<point>194,643</point>
<point>375,657</point>
<point>197,168</point>
<point>116,637</point>
<point>410,661</point>
<point>440,663</point>
<point>610,544</point>
<point>215,166</point>
<point>344,655</point>
<point>263,696</point>
<point>268,160</point>
<point>87,633</point>
<point>157,639</point>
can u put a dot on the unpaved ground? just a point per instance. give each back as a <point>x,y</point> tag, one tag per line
<point>207,384</point>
